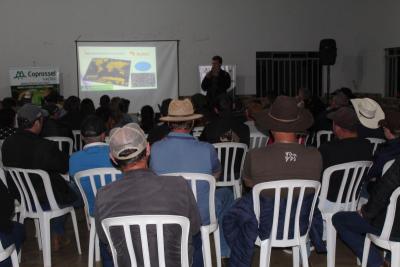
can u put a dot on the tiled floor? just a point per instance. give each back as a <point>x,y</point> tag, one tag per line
<point>68,256</point>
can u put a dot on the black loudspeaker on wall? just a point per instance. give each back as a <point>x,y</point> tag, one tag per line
<point>327,52</point>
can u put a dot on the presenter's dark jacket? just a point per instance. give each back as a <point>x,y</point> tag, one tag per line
<point>216,85</point>
<point>375,210</point>
<point>29,151</point>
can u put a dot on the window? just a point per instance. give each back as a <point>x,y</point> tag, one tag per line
<point>392,71</point>
<point>285,72</point>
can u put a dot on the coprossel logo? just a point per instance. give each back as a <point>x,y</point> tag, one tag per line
<point>20,75</point>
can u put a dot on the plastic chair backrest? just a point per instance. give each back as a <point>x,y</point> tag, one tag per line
<point>8,252</point>
<point>350,185</point>
<point>23,182</point>
<point>230,151</point>
<point>258,140</point>
<point>375,142</point>
<point>78,142</point>
<point>91,175</point>
<point>193,178</point>
<point>143,221</point>
<point>196,132</point>
<point>61,140</point>
<point>387,166</point>
<point>390,215</point>
<point>288,186</point>
<point>322,133</point>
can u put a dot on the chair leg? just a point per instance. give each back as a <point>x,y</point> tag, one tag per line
<point>75,224</point>
<point>46,240</point>
<point>37,234</point>
<point>205,238</point>
<point>296,256</point>
<point>265,254</point>
<point>91,245</point>
<point>14,259</point>
<point>217,243</point>
<point>303,252</point>
<point>237,193</point>
<point>330,242</point>
<point>367,244</point>
<point>97,247</point>
<point>395,251</point>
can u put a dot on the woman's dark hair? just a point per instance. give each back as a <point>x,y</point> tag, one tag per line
<point>104,101</point>
<point>9,103</point>
<point>7,117</point>
<point>87,108</point>
<point>72,104</point>
<point>147,118</point>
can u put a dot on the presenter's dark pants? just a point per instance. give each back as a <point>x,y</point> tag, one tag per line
<point>352,229</point>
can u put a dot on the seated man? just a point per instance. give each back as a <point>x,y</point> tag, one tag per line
<point>346,147</point>
<point>285,159</point>
<point>179,151</point>
<point>391,148</point>
<point>10,232</point>
<point>26,149</point>
<point>225,127</point>
<point>252,109</point>
<point>143,192</point>
<point>353,226</point>
<point>52,126</point>
<point>95,153</point>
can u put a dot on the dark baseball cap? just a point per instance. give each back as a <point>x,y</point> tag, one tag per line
<point>391,121</point>
<point>30,112</point>
<point>345,117</point>
<point>92,126</point>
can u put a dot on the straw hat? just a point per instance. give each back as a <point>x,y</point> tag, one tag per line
<point>180,110</point>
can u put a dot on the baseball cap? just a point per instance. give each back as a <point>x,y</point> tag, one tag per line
<point>129,138</point>
<point>345,117</point>
<point>30,112</point>
<point>391,121</point>
<point>92,126</point>
<point>52,109</point>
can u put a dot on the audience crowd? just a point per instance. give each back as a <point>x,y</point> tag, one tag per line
<point>150,147</point>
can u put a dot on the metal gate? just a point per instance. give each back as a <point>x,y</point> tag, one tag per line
<point>392,72</point>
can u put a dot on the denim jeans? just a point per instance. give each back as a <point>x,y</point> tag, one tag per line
<point>352,229</point>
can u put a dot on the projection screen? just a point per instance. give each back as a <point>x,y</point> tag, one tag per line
<point>143,72</point>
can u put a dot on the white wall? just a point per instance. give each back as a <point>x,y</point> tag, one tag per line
<point>42,33</point>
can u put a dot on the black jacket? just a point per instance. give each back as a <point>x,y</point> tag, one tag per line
<point>375,210</point>
<point>29,151</point>
<point>216,85</point>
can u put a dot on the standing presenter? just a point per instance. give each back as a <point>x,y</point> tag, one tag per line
<point>216,82</point>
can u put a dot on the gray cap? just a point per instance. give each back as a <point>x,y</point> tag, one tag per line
<point>128,138</point>
<point>30,112</point>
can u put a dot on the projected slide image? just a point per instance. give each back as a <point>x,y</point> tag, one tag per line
<point>108,71</point>
<point>117,68</point>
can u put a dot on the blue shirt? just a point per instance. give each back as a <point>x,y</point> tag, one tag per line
<point>95,155</point>
<point>180,152</point>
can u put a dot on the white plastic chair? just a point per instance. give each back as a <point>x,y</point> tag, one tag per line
<point>258,140</point>
<point>9,252</point>
<point>92,174</point>
<point>61,140</point>
<point>298,242</point>
<point>349,188</point>
<point>230,150</point>
<point>383,240</point>
<point>196,132</point>
<point>211,228</point>
<point>78,142</point>
<point>321,133</point>
<point>32,208</point>
<point>387,166</point>
<point>142,221</point>
<point>375,142</point>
